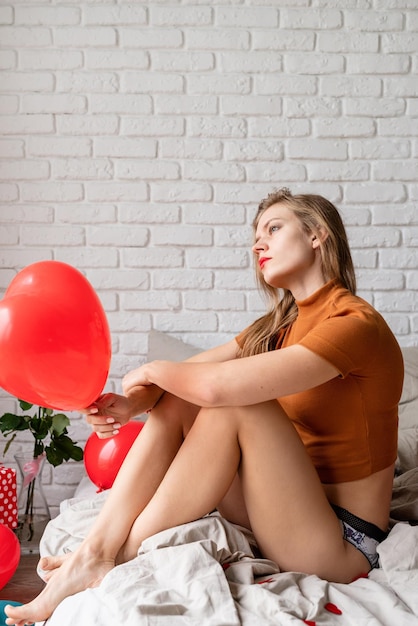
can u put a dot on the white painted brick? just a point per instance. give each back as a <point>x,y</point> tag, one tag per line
<point>364,258</point>
<point>257,61</point>
<point>182,61</point>
<point>9,234</point>
<point>387,214</point>
<point>401,86</point>
<point>151,82</point>
<point>84,214</point>
<point>128,169</point>
<point>124,147</point>
<point>107,191</point>
<point>43,16</point>
<point>59,146</point>
<point>219,84</point>
<point>116,59</point>
<point>8,59</point>
<point>215,301</point>
<point>234,323</point>
<point>152,257</point>
<point>6,15</point>
<point>375,21</point>
<point>217,126</point>
<point>399,42</point>
<point>113,15</point>
<point>391,170</point>
<point>350,86</point>
<point>183,279</point>
<point>82,169</point>
<point>230,258</point>
<point>85,36</point>
<point>120,103</point>
<point>252,105</point>
<point>211,170</point>
<point>375,237</point>
<point>278,127</point>
<point>317,149</point>
<point>217,39</point>
<point>410,235</point>
<point>31,213</point>
<point>186,105</point>
<point>213,214</point>
<point>330,170</point>
<point>24,170</point>
<point>376,192</point>
<point>347,42</point>
<point>53,103</point>
<point>197,322</point>
<point>9,105</point>
<point>275,172</point>
<point>11,148</point>
<point>251,17</point>
<point>25,37</point>
<point>180,16</point>
<point>53,192</point>
<point>26,81</point>
<point>380,281</point>
<point>253,150</point>
<point>376,64</point>
<point>190,148</point>
<point>396,259</point>
<point>87,124</point>
<point>234,279</point>
<point>117,235</point>
<point>153,38</point>
<point>283,40</point>
<point>377,149</point>
<point>397,127</point>
<point>56,59</point>
<point>231,236</point>
<point>53,235</point>
<point>314,63</point>
<point>379,107</point>
<point>128,279</point>
<point>182,191</point>
<point>84,258</point>
<point>18,257</point>
<point>185,236</point>
<point>314,19</point>
<point>286,85</point>
<point>149,213</point>
<point>84,82</point>
<point>344,127</point>
<point>312,107</point>
<point>156,126</point>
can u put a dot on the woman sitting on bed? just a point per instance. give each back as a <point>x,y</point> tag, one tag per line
<point>289,430</point>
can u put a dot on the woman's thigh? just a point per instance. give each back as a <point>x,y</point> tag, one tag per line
<point>280,496</point>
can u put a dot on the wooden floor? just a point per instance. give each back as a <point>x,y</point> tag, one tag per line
<point>25,584</point>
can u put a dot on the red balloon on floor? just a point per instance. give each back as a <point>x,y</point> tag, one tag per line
<point>9,554</point>
<point>104,457</point>
<point>55,344</point>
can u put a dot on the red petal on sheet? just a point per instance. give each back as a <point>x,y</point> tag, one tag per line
<point>360,576</point>
<point>268,580</point>
<point>226,565</point>
<point>331,608</point>
<point>309,622</point>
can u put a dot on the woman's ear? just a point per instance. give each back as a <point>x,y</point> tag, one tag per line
<point>319,237</point>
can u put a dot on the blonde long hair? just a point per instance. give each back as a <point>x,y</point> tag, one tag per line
<point>317,215</point>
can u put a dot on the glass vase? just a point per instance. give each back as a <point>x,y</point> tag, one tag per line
<point>33,509</point>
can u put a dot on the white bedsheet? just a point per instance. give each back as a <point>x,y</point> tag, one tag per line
<point>204,574</point>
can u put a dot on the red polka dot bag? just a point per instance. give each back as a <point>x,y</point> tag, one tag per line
<point>8,497</point>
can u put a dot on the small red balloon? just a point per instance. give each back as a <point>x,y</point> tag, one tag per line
<point>9,554</point>
<point>104,457</point>
<point>55,344</point>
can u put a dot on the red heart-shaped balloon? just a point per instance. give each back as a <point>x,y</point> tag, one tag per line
<point>55,344</point>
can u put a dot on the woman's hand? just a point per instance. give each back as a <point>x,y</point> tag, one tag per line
<point>108,414</point>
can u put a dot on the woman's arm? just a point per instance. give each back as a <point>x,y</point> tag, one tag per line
<point>236,382</point>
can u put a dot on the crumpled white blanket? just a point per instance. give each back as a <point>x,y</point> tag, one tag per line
<point>204,574</point>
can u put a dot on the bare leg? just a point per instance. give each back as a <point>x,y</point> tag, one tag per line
<point>137,480</point>
<point>289,513</point>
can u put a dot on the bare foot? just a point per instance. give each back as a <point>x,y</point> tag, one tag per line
<point>78,571</point>
<point>48,565</point>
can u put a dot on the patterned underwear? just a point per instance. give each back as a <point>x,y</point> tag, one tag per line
<point>361,534</point>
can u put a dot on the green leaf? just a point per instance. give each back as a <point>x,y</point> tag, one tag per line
<point>40,427</point>
<point>10,422</point>
<point>54,456</point>
<point>59,424</point>
<point>25,406</point>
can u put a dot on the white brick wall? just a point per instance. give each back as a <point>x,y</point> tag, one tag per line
<point>138,137</point>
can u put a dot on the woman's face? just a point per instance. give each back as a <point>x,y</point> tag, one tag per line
<point>288,256</point>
